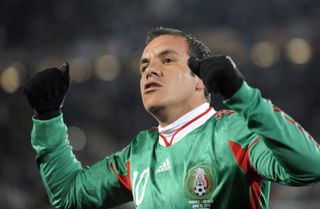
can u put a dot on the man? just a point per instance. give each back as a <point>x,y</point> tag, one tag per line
<point>196,158</point>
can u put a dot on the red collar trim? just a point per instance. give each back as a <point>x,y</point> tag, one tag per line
<point>169,143</point>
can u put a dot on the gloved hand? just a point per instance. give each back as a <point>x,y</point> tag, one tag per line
<point>219,74</point>
<point>46,91</point>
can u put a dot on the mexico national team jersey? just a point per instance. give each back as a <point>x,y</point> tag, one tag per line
<point>207,159</point>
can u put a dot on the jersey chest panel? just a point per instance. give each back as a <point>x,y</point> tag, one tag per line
<point>197,172</point>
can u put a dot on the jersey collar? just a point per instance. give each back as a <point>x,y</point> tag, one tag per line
<point>175,131</point>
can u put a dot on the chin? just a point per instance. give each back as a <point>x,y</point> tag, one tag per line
<point>153,108</point>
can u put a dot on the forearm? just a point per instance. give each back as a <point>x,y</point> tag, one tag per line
<point>69,184</point>
<point>291,145</point>
<point>57,164</point>
<point>59,173</point>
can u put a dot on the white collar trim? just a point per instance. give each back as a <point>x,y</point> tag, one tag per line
<point>175,131</point>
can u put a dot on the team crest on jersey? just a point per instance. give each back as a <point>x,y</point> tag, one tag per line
<point>200,181</point>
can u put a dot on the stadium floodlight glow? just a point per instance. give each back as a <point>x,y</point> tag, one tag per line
<point>77,137</point>
<point>299,51</point>
<point>10,79</point>
<point>107,67</point>
<point>80,69</point>
<point>265,54</point>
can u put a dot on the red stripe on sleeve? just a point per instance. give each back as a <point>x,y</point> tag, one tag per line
<point>241,155</point>
<point>125,180</point>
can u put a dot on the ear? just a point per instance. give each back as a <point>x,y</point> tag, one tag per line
<point>200,85</point>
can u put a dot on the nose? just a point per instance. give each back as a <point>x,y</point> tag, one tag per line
<point>152,71</point>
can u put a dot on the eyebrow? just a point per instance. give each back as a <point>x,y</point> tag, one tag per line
<point>161,54</point>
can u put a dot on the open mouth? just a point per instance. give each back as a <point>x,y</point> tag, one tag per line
<point>151,86</point>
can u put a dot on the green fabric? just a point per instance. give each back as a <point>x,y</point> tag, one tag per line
<point>66,181</point>
<point>287,153</point>
<point>233,154</point>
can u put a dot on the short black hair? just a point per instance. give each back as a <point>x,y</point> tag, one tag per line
<point>197,48</point>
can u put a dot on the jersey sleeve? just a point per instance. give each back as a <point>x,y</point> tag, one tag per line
<point>67,182</point>
<point>279,149</point>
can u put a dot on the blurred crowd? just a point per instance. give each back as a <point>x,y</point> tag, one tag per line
<point>276,45</point>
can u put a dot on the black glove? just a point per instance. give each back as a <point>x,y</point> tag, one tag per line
<point>46,91</point>
<point>219,74</point>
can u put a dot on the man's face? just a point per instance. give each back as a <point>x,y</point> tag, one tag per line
<point>166,79</point>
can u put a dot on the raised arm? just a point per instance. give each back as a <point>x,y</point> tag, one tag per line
<point>67,182</point>
<point>280,149</point>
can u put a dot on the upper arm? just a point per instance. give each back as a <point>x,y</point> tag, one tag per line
<point>256,158</point>
<point>267,165</point>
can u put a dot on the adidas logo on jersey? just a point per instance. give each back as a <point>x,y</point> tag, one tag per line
<point>164,166</point>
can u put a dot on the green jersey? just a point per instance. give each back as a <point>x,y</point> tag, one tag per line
<point>226,161</point>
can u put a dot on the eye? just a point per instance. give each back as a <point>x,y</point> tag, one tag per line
<point>167,61</point>
<point>143,68</point>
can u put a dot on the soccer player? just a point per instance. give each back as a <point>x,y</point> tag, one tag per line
<point>196,157</point>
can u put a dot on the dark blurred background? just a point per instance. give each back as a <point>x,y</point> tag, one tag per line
<point>276,45</point>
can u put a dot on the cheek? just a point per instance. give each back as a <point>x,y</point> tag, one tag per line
<point>141,86</point>
<point>141,92</point>
<point>178,79</point>
<point>185,82</point>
